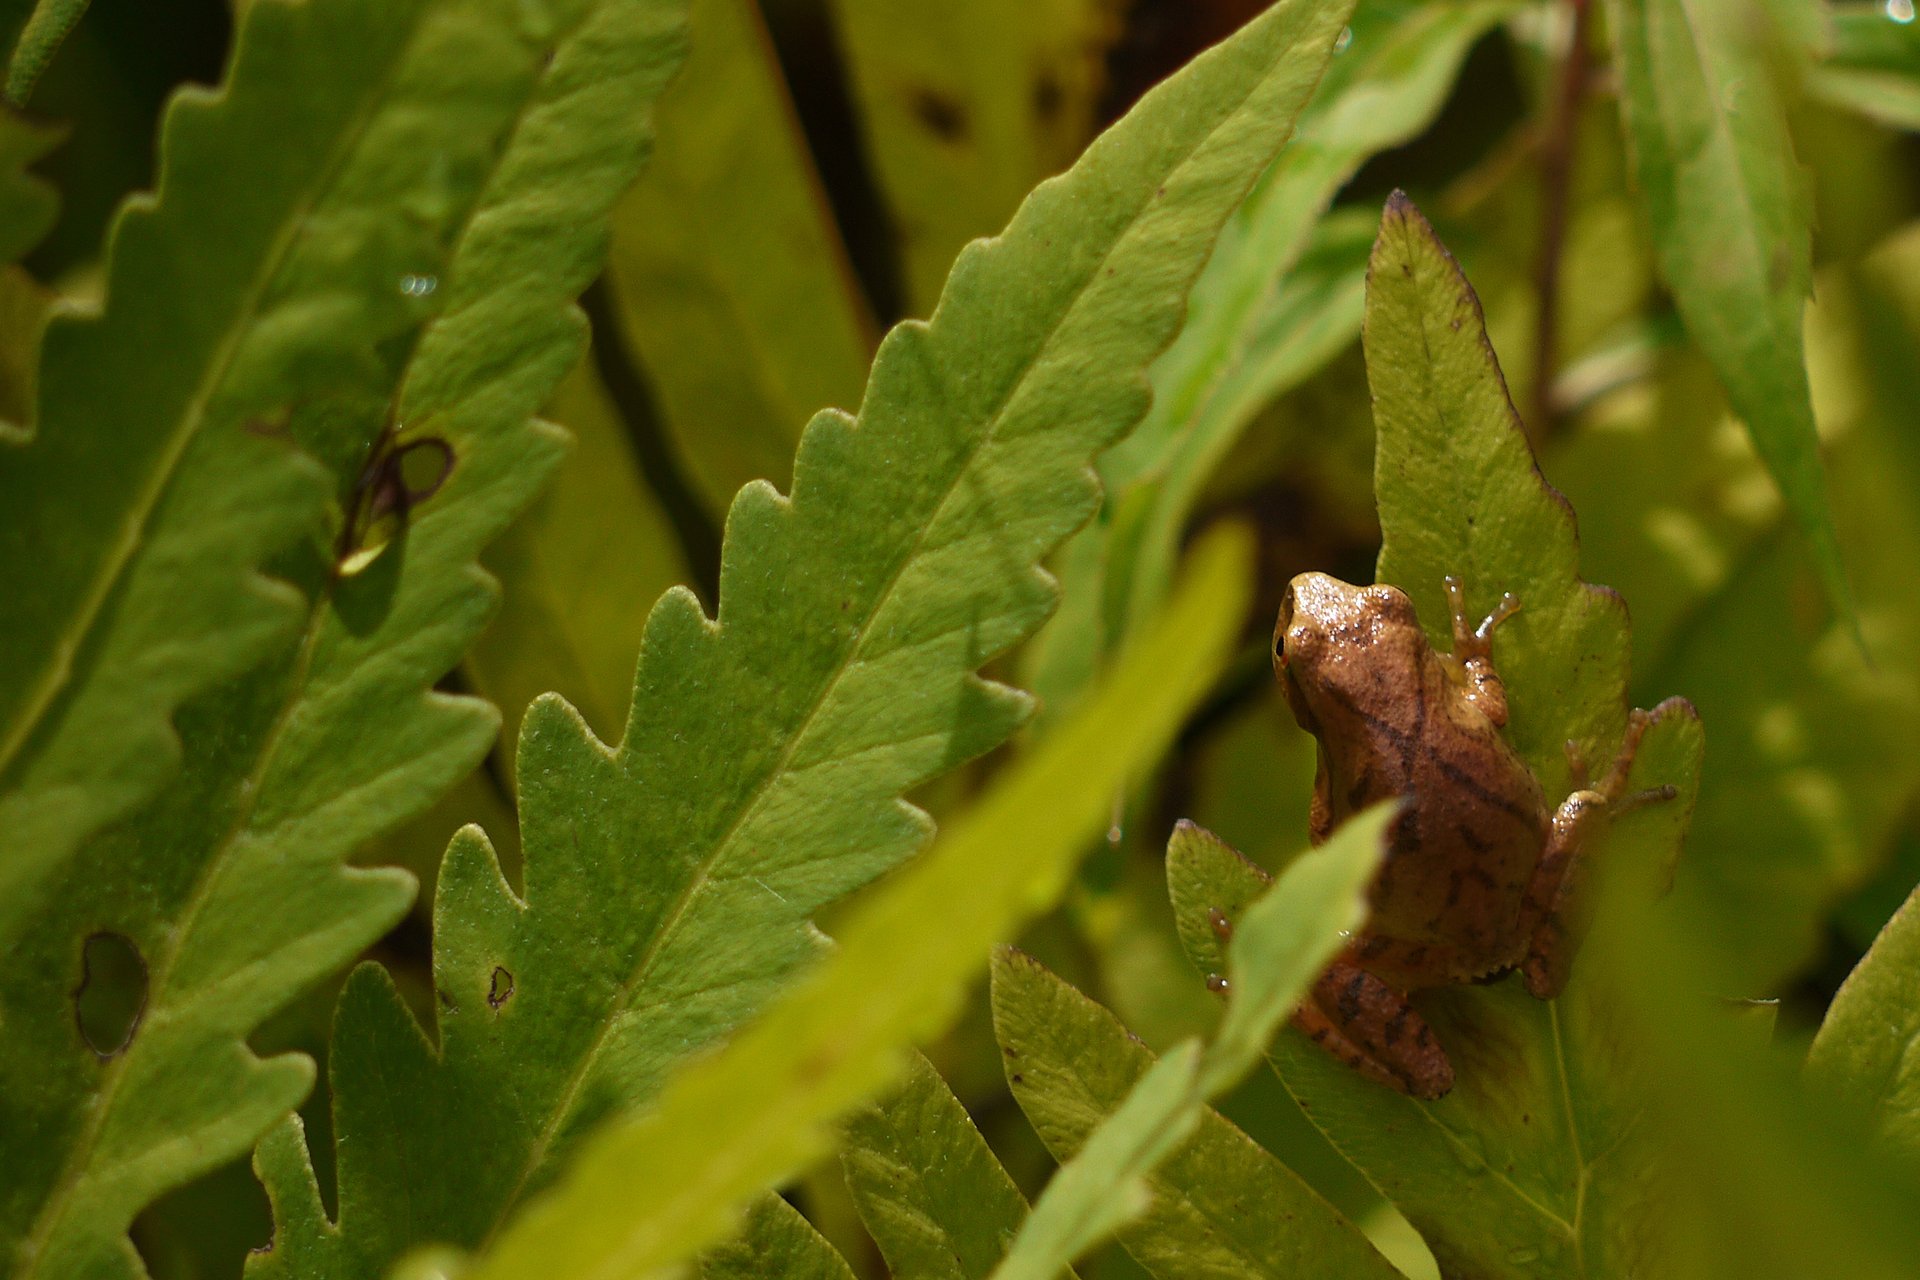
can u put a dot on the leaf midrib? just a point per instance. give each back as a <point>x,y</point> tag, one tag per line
<point>59,668</point>
<point>705,868</point>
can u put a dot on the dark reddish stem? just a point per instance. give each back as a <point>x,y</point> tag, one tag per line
<point>1556,171</point>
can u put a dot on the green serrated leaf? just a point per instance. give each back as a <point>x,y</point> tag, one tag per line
<point>928,1187</point>
<point>445,291</point>
<point>1280,297</point>
<point>779,1242</point>
<point>727,274</point>
<point>577,573</point>
<point>670,883</point>
<point>1528,1167</point>
<point>646,1193</point>
<point>1116,1170</point>
<point>141,512</point>
<point>1221,1205</point>
<point>1732,227</point>
<point>965,105</point>
<point>1868,1047</point>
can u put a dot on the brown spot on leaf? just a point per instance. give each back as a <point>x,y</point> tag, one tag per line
<point>941,114</point>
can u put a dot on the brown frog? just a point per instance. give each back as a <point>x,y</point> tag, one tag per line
<point>1480,876</point>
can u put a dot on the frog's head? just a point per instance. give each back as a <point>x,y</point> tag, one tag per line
<point>1333,639</point>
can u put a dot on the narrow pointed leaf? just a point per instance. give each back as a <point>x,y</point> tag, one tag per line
<point>1221,1205</point>
<point>777,1241</point>
<point>648,1192</point>
<point>928,1188</point>
<point>670,883</point>
<point>339,734</point>
<point>727,275</point>
<point>1731,214</point>
<point>1071,1064</point>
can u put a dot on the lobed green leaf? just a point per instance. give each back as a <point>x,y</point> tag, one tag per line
<point>670,883</point>
<point>396,301</point>
<point>648,1192</point>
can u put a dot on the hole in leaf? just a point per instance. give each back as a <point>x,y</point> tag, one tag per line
<point>500,989</point>
<point>423,466</point>
<point>395,480</point>
<point>112,993</point>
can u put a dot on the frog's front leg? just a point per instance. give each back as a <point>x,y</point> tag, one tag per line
<point>1555,899</point>
<point>1472,658</point>
<point>1373,1028</point>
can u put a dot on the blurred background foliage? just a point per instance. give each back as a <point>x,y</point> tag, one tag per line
<point>819,164</point>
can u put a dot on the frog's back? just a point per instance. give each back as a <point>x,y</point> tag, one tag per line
<point>1464,849</point>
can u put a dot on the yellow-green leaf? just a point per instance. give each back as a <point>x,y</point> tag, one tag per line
<point>727,275</point>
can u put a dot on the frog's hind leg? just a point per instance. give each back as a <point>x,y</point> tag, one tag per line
<point>1556,897</point>
<point>1373,1028</point>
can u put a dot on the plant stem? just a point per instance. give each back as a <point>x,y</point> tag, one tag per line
<point>1556,168</point>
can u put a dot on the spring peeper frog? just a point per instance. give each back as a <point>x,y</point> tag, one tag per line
<point>1480,875</point>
